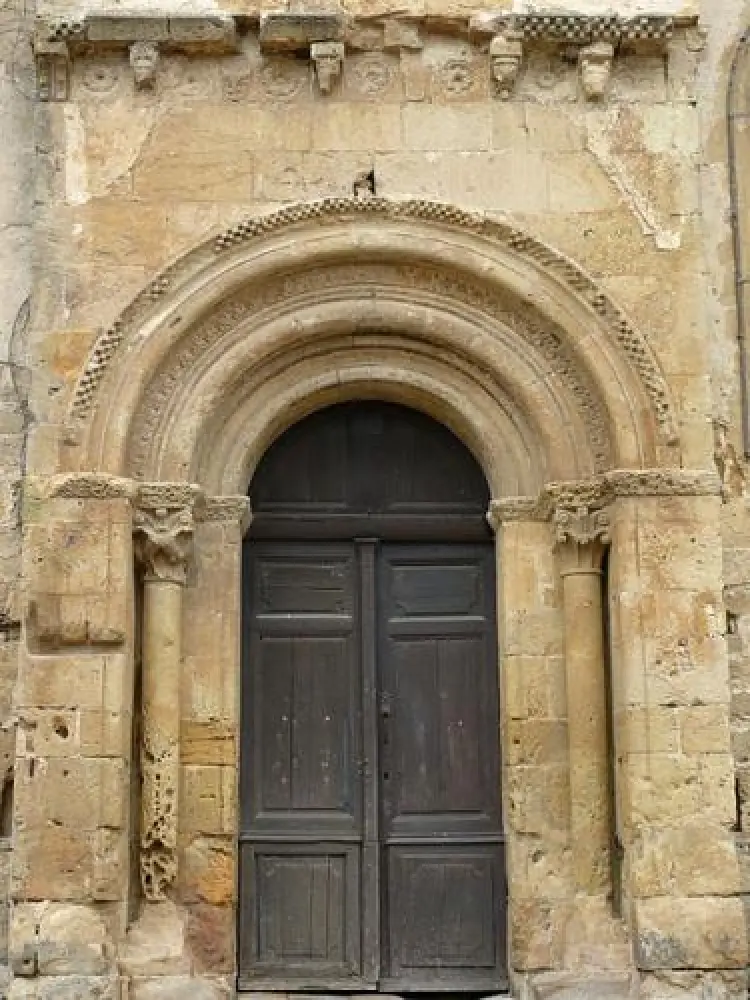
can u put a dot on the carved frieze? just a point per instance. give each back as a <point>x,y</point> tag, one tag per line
<point>325,36</point>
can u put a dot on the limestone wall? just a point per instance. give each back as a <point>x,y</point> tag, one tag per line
<point>151,134</point>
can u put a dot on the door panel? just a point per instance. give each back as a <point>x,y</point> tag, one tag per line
<point>444,917</point>
<point>301,784</point>
<point>444,898</point>
<point>300,913</point>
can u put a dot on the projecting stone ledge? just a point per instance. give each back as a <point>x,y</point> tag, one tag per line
<point>282,31</point>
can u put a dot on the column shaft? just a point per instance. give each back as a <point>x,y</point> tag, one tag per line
<point>160,758</point>
<point>587,728</point>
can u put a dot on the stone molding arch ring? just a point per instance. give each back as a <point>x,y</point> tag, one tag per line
<point>492,332</point>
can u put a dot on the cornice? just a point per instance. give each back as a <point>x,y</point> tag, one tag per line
<point>506,36</point>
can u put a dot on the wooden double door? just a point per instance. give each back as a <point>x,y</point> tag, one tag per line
<point>371,846</point>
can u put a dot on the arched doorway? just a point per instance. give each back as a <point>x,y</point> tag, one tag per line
<point>371,842</point>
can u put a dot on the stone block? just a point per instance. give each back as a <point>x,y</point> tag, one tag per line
<point>210,937</point>
<point>537,932</point>
<point>664,790</point>
<point>693,859</point>
<point>78,571</point>
<point>73,940</point>
<point>354,126</point>
<point>705,729</point>
<point>155,944</point>
<point>289,31</point>
<point>66,988</point>
<point>697,985</point>
<point>208,871</point>
<point>534,742</point>
<point>538,799</point>
<point>177,988</point>
<point>208,799</point>
<point>52,863</point>
<point>683,933</point>
<point>126,29</point>
<point>435,128</point>
<point>593,985</point>
<point>208,743</point>
<point>70,681</point>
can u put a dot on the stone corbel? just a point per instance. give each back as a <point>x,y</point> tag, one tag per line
<point>595,64</point>
<point>144,61</point>
<point>506,55</point>
<point>163,532</point>
<point>328,58</point>
<point>52,70</point>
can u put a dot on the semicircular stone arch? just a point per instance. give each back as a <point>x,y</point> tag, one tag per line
<point>477,324</point>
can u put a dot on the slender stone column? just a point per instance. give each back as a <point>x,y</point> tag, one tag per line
<point>163,538</point>
<point>582,536</point>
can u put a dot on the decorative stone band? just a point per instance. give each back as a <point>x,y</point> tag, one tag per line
<point>324,35</point>
<point>600,491</point>
<point>581,29</point>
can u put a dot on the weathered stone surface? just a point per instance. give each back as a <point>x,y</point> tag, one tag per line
<point>682,933</point>
<point>583,322</point>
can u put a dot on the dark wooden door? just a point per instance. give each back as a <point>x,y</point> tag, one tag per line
<point>371,847</point>
<point>444,888</point>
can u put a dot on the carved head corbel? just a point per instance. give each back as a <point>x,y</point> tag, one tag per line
<point>595,62</point>
<point>328,58</point>
<point>506,54</point>
<point>144,60</point>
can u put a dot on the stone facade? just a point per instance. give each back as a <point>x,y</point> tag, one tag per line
<point>528,220</point>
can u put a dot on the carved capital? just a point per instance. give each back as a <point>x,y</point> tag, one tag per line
<point>582,535</point>
<point>329,60</point>
<point>163,542</point>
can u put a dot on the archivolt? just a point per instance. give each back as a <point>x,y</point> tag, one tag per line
<point>500,337</point>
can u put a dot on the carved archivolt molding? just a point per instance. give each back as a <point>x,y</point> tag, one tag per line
<point>431,288</point>
<point>437,266</point>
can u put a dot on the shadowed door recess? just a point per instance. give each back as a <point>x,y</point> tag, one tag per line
<point>371,846</point>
